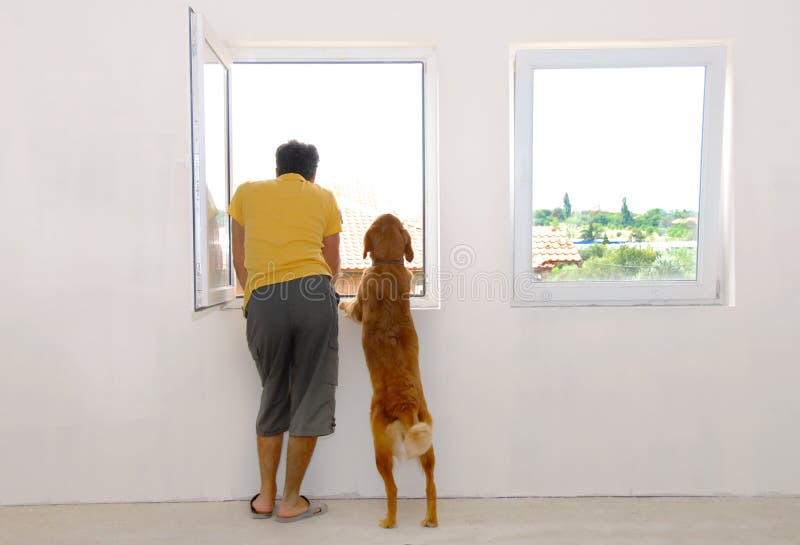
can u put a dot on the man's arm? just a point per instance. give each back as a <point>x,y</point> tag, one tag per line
<point>237,235</point>
<point>330,251</point>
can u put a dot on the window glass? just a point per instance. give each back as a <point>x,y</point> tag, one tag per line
<point>215,148</point>
<point>366,120</point>
<point>616,173</point>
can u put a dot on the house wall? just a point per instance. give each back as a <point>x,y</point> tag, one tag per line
<point>348,282</point>
<point>113,389</point>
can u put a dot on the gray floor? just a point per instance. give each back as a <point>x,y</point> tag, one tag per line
<point>729,521</point>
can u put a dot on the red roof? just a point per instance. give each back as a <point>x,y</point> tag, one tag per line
<point>355,222</point>
<point>551,248</point>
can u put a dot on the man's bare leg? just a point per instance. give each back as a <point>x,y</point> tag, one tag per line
<point>298,456</point>
<point>269,456</point>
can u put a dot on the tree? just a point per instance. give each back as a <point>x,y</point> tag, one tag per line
<point>567,206</point>
<point>605,263</point>
<point>673,264</point>
<point>627,217</point>
<point>590,232</point>
<point>654,217</point>
<point>637,235</point>
<point>542,216</point>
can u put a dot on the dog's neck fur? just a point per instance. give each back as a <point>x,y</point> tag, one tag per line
<point>387,262</point>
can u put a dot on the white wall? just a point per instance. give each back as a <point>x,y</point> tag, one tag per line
<point>112,389</point>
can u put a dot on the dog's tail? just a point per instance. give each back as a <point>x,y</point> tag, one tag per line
<point>418,439</point>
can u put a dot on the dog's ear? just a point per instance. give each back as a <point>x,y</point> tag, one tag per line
<point>367,242</point>
<point>409,251</point>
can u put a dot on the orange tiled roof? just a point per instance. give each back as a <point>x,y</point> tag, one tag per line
<point>355,222</point>
<point>551,248</point>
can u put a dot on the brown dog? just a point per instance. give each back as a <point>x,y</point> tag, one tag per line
<point>401,423</point>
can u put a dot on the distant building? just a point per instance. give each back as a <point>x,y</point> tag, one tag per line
<point>551,248</point>
<point>356,219</point>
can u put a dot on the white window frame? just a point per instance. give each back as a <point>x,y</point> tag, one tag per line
<point>708,288</point>
<point>204,295</point>
<point>389,54</point>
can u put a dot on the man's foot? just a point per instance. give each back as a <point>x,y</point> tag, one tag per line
<point>301,509</point>
<point>262,505</point>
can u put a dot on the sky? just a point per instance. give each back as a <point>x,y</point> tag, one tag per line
<point>607,133</point>
<point>365,120</point>
<point>598,134</point>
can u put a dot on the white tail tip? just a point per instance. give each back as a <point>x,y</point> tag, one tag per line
<point>418,440</point>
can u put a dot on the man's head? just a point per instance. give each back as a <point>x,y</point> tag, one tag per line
<point>294,156</point>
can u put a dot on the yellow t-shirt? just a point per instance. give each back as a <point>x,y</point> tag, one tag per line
<point>284,223</point>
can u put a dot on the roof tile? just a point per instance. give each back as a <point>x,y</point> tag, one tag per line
<point>356,219</point>
<point>551,248</point>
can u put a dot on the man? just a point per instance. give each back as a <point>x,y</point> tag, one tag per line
<point>285,251</point>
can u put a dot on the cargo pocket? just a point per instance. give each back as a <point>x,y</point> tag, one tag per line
<point>261,366</point>
<point>331,375</point>
<point>255,352</point>
<point>250,335</point>
<point>331,363</point>
<point>332,353</point>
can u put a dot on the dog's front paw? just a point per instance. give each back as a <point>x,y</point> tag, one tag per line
<point>388,522</point>
<point>347,307</point>
<point>429,522</point>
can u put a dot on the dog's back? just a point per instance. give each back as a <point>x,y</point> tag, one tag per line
<point>391,349</point>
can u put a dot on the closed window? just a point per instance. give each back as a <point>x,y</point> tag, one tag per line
<point>618,176</point>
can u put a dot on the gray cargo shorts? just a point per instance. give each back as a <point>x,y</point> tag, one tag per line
<point>293,335</point>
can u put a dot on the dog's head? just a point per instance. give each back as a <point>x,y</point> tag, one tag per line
<point>387,240</point>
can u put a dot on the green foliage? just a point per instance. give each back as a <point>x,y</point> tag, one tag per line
<point>592,250</point>
<point>654,224</point>
<point>680,231</point>
<point>608,261</point>
<point>633,256</point>
<point>629,263</point>
<point>590,232</point>
<point>672,264</point>
<point>627,217</point>
<point>542,216</point>
<point>651,219</point>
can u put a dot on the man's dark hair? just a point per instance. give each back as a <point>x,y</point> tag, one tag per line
<point>294,156</point>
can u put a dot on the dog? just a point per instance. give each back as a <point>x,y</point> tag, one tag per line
<point>401,423</point>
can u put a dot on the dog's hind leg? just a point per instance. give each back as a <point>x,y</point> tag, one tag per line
<point>384,461</point>
<point>384,443</point>
<point>427,461</point>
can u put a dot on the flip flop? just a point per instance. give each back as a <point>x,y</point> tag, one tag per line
<point>315,509</point>
<point>255,514</point>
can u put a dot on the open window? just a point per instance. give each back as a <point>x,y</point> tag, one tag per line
<point>211,165</point>
<point>371,112</point>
